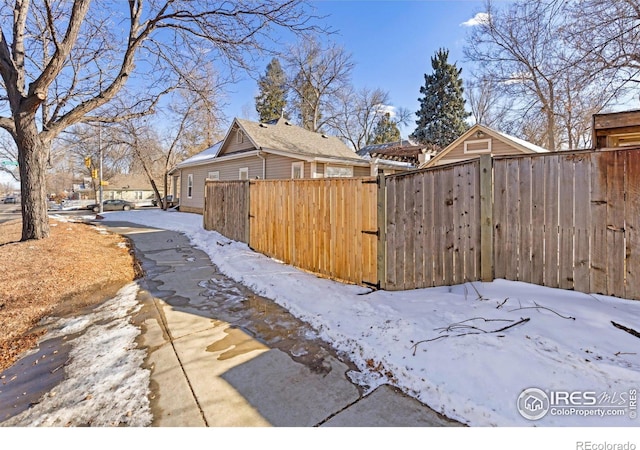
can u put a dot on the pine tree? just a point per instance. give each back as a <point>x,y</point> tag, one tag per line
<point>385,131</point>
<point>441,117</point>
<point>272,99</point>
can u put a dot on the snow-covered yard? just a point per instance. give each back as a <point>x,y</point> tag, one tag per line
<point>469,351</point>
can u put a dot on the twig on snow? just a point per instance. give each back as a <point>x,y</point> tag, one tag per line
<point>521,321</point>
<point>631,331</point>
<point>543,307</point>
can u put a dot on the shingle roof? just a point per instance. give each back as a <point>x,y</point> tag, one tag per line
<point>284,136</point>
<point>202,157</point>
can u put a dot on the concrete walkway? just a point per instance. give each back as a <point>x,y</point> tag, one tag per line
<point>222,356</point>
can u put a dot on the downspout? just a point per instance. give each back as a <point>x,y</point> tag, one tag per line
<point>264,164</point>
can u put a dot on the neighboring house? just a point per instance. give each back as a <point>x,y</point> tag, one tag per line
<point>481,140</point>
<point>273,150</point>
<point>395,157</point>
<point>613,130</point>
<point>134,188</point>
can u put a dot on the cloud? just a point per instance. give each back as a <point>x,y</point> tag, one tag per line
<point>478,19</point>
<point>382,109</point>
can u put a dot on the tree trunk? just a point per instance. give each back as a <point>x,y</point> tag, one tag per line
<point>32,161</point>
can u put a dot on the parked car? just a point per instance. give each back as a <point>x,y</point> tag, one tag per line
<point>112,205</point>
<point>10,200</point>
<point>171,202</point>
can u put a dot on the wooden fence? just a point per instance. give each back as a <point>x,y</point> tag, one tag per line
<point>569,220</point>
<point>226,208</point>
<point>326,226</point>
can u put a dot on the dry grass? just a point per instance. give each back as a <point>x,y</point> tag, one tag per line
<point>76,266</point>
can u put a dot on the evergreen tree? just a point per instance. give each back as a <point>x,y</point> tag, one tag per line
<point>272,99</point>
<point>386,130</point>
<point>441,117</point>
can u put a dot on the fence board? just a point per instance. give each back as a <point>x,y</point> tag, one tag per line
<point>632,227</point>
<point>511,224</point>
<point>524,220</point>
<point>428,218</point>
<point>598,265</point>
<point>537,219</point>
<point>551,222</point>
<point>566,213</point>
<point>615,224</point>
<point>500,218</point>
<point>582,222</point>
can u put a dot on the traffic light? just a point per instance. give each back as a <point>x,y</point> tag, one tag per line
<point>94,173</point>
<point>87,161</point>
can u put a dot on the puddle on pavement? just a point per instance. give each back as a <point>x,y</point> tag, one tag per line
<point>251,315</point>
<point>235,343</point>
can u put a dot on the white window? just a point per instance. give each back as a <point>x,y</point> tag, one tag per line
<point>297,170</point>
<point>239,137</point>
<point>478,146</point>
<point>138,195</point>
<point>214,175</point>
<point>338,171</point>
<point>190,185</point>
<point>243,174</point>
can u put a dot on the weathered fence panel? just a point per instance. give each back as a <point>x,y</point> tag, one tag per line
<point>433,227</point>
<point>583,209</point>
<point>226,209</point>
<point>326,226</point>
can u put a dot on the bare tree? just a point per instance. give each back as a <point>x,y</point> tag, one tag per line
<point>319,74</point>
<point>487,104</point>
<point>355,113</point>
<point>63,63</point>
<point>519,47</point>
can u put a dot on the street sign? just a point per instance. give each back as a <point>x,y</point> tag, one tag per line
<point>10,163</point>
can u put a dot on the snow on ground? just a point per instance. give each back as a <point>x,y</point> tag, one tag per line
<point>441,346</point>
<point>104,383</point>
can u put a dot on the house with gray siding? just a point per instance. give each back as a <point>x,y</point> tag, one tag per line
<point>272,150</point>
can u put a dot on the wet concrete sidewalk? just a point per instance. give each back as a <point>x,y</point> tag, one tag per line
<point>222,356</point>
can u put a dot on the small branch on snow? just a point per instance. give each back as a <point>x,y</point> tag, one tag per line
<point>624,353</point>
<point>543,307</point>
<point>457,325</point>
<point>480,331</point>
<point>502,304</point>
<point>480,297</point>
<point>631,331</point>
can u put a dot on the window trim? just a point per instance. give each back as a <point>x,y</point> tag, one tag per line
<point>477,141</point>
<point>214,175</point>
<point>294,166</point>
<point>239,136</point>
<point>327,167</point>
<point>241,171</point>
<point>190,185</point>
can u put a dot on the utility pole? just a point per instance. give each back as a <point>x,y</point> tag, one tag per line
<point>100,176</point>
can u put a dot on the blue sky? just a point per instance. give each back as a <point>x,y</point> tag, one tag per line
<point>391,43</point>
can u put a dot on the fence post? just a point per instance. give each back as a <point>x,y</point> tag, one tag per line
<point>247,204</point>
<point>382,232</point>
<point>486,218</point>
